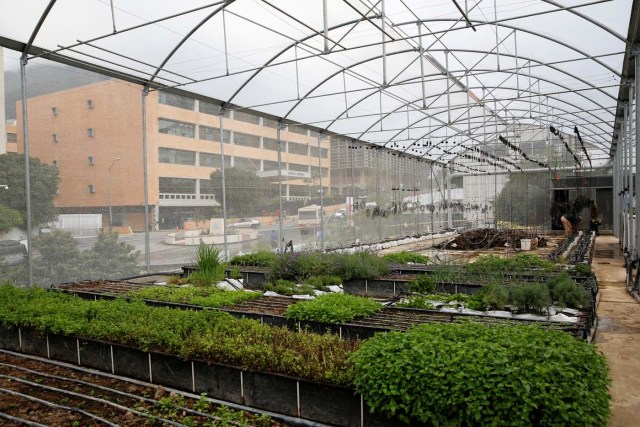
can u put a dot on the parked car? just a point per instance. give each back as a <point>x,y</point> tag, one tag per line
<point>246,223</point>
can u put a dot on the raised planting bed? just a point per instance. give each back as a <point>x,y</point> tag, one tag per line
<point>314,376</point>
<point>43,391</point>
<point>253,277</point>
<point>271,311</point>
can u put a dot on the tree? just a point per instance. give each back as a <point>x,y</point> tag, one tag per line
<point>110,259</point>
<point>44,185</point>
<point>9,218</point>
<point>245,191</point>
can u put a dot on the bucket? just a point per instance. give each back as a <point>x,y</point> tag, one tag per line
<point>525,244</point>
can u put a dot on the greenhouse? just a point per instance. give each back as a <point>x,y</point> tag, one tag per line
<point>321,212</point>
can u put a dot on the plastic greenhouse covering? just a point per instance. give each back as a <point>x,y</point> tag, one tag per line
<point>153,126</point>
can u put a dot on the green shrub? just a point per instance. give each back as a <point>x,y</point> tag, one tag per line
<point>322,282</point>
<point>532,298</point>
<point>582,270</point>
<point>207,335</point>
<point>202,296</point>
<point>333,308</point>
<point>288,288</point>
<point>565,292</point>
<point>255,259</point>
<point>517,263</point>
<point>404,257</point>
<point>495,296</point>
<point>475,375</point>
<point>360,265</point>
<point>423,284</point>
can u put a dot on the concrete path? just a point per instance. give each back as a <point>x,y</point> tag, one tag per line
<point>618,335</point>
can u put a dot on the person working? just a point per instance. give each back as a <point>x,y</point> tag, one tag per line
<point>569,222</point>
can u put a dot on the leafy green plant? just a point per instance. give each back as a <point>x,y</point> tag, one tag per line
<point>565,292</point>
<point>208,335</point>
<point>405,257</point>
<point>495,296</point>
<point>471,375</point>
<point>234,272</point>
<point>203,296</point>
<point>529,297</point>
<point>177,280</point>
<point>255,259</point>
<point>333,308</point>
<point>517,263</point>
<point>322,282</point>
<point>288,288</point>
<point>583,270</point>
<point>423,283</point>
<point>360,265</point>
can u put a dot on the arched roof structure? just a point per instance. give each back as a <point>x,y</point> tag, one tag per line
<point>407,75</point>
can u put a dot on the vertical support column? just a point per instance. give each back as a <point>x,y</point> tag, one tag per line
<point>224,186</point>
<point>515,43</point>
<point>432,204</point>
<point>320,137</point>
<point>325,18</point>
<point>446,62</point>
<point>145,161</point>
<point>495,15</point>
<point>27,176</point>
<point>421,50</point>
<point>447,171</point>
<point>384,46</point>
<point>280,219</point>
<point>353,191</point>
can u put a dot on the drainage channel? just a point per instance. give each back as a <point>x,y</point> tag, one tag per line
<point>32,387</point>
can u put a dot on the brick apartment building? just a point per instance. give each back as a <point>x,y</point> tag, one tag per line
<point>93,134</point>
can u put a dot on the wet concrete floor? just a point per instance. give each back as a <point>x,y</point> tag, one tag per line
<point>618,335</point>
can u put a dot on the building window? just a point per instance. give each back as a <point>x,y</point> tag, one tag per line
<point>207,187</point>
<point>270,144</point>
<point>246,117</point>
<point>298,168</point>
<point>54,111</point>
<point>92,189</point>
<point>247,164</point>
<point>172,127</point>
<point>90,159</point>
<point>211,108</point>
<point>214,160</point>
<point>178,101</point>
<point>90,132</point>
<point>12,137</point>
<point>297,129</point>
<point>54,137</point>
<point>268,165</point>
<point>177,185</point>
<point>178,157</point>
<point>270,123</point>
<point>213,134</point>
<point>301,149</point>
<point>246,140</point>
<point>89,103</point>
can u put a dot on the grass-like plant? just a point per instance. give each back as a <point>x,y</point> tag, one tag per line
<point>405,257</point>
<point>333,308</point>
<point>209,296</point>
<point>210,270</point>
<point>479,375</point>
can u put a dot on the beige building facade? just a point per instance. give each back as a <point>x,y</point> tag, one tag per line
<point>93,134</point>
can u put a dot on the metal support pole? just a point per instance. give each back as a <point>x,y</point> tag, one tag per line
<point>325,18</point>
<point>224,186</point>
<point>432,204</point>
<point>27,176</point>
<point>495,15</point>
<point>110,183</point>
<point>320,137</point>
<point>446,61</point>
<point>281,216</point>
<point>147,246</point>
<point>515,43</point>
<point>637,138</point>
<point>384,47</point>
<point>447,171</point>
<point>353,192</point>
<point>421,50</point>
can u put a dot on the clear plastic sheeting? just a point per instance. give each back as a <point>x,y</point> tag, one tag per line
<point>251,124</point>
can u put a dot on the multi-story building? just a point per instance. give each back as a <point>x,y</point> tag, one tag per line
<point>11,136</point>
<point>93,134</point>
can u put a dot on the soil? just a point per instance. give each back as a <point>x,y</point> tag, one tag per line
<point>618,335</point>
<point>103,287</point>
<point>151,400</point>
